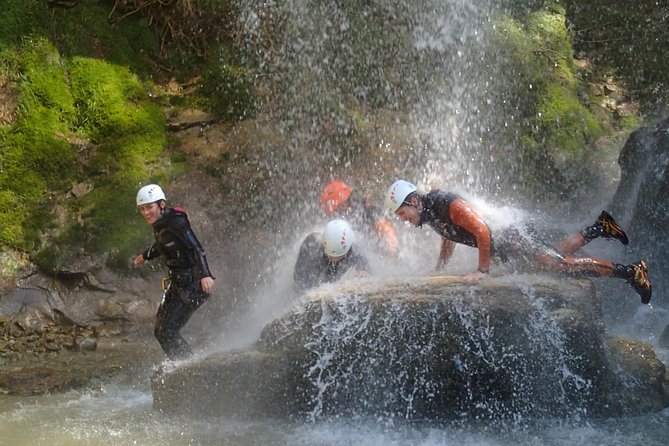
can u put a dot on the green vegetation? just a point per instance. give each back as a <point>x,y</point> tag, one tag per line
<point>35,158</point>
<point>227,86</point>
<point>628,40</point>
<point>78,119</point>
<point>84,78</point>
<point>559,112</point>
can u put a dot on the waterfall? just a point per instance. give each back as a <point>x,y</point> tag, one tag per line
<point>369,92</point>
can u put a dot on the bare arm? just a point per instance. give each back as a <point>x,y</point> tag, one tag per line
<point>445,252</point>
<point>386,233</point>
<point>464,216</point>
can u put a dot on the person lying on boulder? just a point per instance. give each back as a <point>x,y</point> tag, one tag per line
<point>456,221</point>
<point>325,257</point>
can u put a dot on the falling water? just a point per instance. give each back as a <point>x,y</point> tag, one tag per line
<point>367,92</point>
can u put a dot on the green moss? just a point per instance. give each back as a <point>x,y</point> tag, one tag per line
<point>12,216</point>
<point>66,99</point>
<point>107,97</point>
<point>21,18</point>
<point>553,107</point>
<point>227,87</point>
<point>551,41</point>
<point>35,157</point>
<point>84,30</point>
<point>568,126</point>
<point>87,31</point>
<point>628,123</point>
<point>44,89</point>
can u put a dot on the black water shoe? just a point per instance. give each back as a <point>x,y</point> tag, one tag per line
<point>610,229</point>
<point>640,282</point>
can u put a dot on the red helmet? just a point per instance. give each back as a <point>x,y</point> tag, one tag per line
<point>334,196</point>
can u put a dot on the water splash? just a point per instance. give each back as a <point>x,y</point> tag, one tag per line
<point>394,362</point>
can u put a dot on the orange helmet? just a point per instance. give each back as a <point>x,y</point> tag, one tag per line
<point>334,195</point>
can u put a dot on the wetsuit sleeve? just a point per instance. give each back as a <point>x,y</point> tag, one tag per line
<point>193,245</point>
<point>307,270</point>
<point>464,216</point>
<point>359,261</point>
<point>151,253</point>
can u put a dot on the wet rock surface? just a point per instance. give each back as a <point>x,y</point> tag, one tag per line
<point>504,348</point>
<point>118,361</point>
<point>643,191</point>
<point>56,358</point>
<point>76,330</point>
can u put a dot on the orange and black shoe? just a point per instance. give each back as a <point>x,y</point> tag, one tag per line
<point>640,282</point>
<point>605,226</point>
<point>611,228</point>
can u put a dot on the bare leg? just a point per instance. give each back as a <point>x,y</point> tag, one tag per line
<point>605,226</point>
<point>636,274</point>
<point>571,244</point>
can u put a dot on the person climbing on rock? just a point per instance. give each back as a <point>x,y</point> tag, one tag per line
<point>456,221</point>
<point>189,282</point>
<point>338,202</point>
<point>325,257</point>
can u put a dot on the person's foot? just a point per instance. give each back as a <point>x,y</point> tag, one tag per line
<point>610,228</point>
<point>640,282</point>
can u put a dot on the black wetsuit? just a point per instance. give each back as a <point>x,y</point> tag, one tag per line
<point>187,264</point>
<point>521,245</point>
<point>435,213</point>
<point>313,267</point>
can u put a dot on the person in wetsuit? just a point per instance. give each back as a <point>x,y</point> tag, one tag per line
<point>326,257</point>
<point>189,281</point>
<point>338,202</point>
<point>456,221</point>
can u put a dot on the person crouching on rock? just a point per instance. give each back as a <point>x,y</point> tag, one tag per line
<point>337,201</point>
<point>456,221</point>
<point>189,281</point>
<point>326,257</point>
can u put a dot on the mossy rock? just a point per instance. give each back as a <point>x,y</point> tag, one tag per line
<point>63,100</point>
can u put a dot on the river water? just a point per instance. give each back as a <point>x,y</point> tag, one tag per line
<point>122,414</point>
<point>117,415</point>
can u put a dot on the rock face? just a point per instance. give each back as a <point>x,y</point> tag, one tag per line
<point>503,349</point>
<point>55,337</point>
<point>643,190</point>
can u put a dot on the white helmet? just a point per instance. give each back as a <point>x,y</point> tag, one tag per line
<point>397,193</point>
<point>150,194</point>
<point>337,238</point>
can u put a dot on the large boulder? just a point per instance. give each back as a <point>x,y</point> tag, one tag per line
<point>80,298</point>
<point>642,197</point>
<point>503,348</point>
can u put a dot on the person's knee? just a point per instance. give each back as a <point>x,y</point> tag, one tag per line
<point>163,332</point>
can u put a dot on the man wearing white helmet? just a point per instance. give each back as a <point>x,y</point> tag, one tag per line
<point>326,257</point>
<point>189,283</point>
<point>456,221</point>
